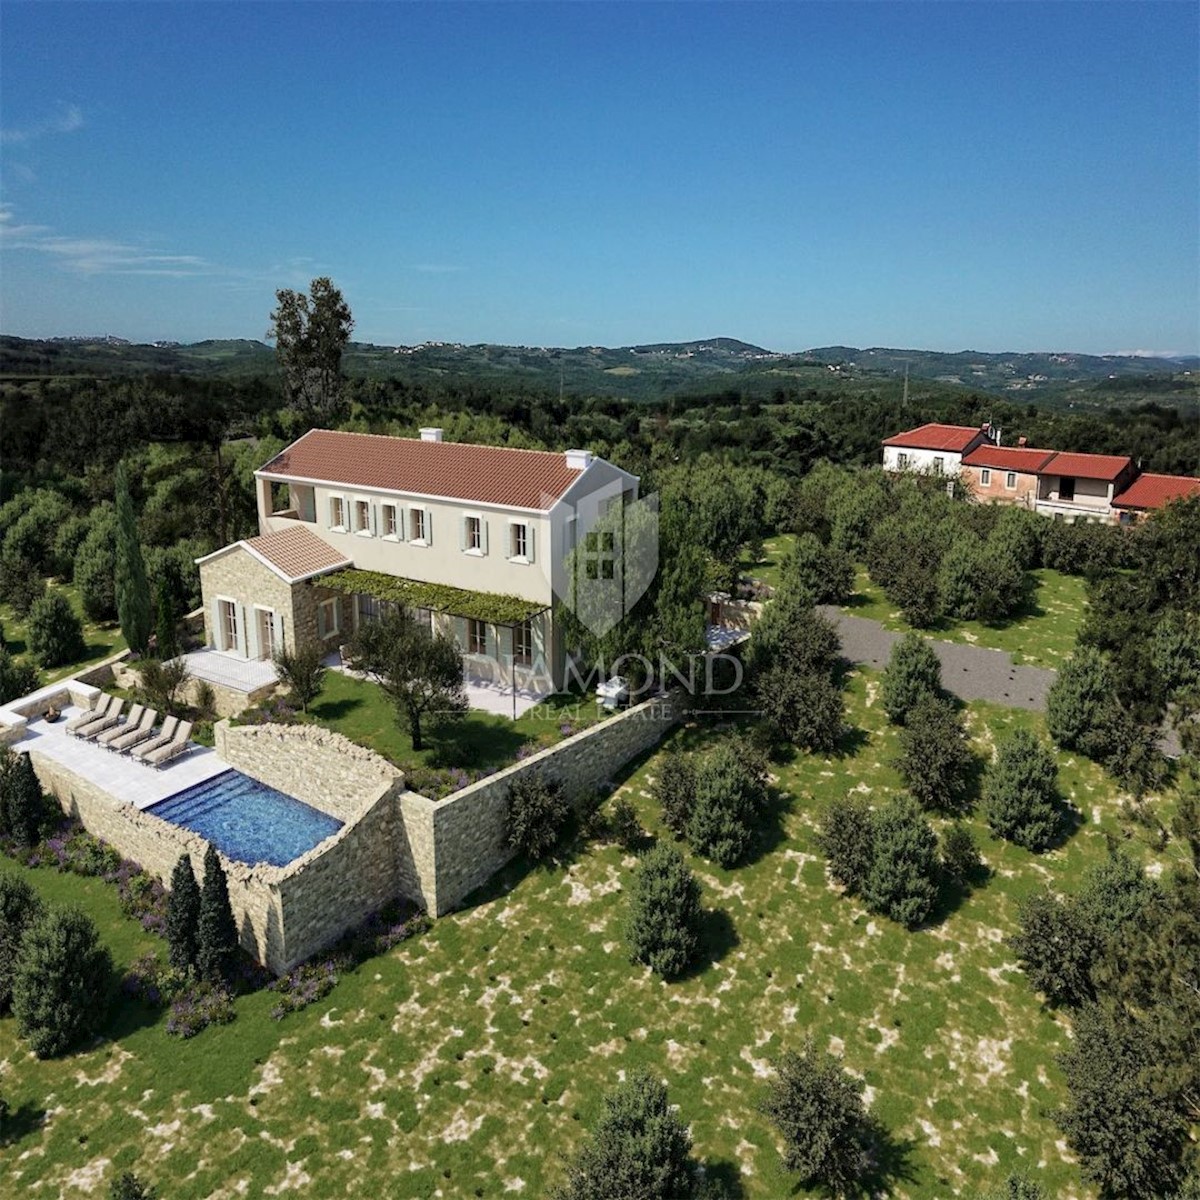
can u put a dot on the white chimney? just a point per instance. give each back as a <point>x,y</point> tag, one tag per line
<point>579,460</point>
<point>431,435</point>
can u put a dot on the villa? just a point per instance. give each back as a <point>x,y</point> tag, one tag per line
<point>475,540</point>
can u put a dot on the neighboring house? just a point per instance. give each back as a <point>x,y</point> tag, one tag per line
<point>1148,492</point>
<point>1005,474</point>
<point>1082,487</point>
<point>933,449</point>
<point>473,539</point>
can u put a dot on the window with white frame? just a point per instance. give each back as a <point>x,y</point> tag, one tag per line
<point>939,465</point>
<point>902,461</point>
<point>520,540</point>
<point>1010,480</point>
<point>476,636</point>
<point>985,477</point>
<point>523,643</point>
<point>337,512</point>
<point>328,622</point>
<point>416,525</point>
<point>474,533</point>
<point>362,516</point>
<point>390,527</point>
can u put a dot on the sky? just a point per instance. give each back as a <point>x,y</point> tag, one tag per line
<point>945,176</point>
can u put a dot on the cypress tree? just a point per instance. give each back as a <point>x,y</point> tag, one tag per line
<point>183,916</point>
<point>23,803</point>
<point>164,629</point>
<point>218,936</point>
<point>133,592</point>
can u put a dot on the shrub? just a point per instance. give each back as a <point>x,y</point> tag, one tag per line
<point>206,700</point>
<point>127,1186</point>
<point>847,839</point>
<point>913,672</point>
<point>801,707</point>
<point>934,758</point>
<point>302,672</point>
<point>16,678</point>
<point>731,793</point>
<point>639,1148</point>
<point>21,587</point>
<point>61,982</point>
<point>627,829</point>
<point>55,632</point>
<point>960,854</point>
<point>95,567</point>
<point>20,907</point>
<point>902,882</point>
<point>161,683</point>
<point>197,1007</point>
<point>818,1109</point>
<point>537,815</point>
<point>217,939</point>
<point>663,926</point>
<point>675,790</point>
<point>183,916</point>
<point>1019,793</point>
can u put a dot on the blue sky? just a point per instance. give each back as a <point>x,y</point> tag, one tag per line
<point>950,176</point>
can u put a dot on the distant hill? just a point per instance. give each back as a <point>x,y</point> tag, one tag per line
<point>646,371</point>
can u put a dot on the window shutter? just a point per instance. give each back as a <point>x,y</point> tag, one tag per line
<point>347,513</point>
<point>529,541</point>
<point>373,510</point>
<point>483,534</point>
<point>218,634</point>
<point>252,650</point>
<point>401,517</point>
<point>277,624</point>
<point>239,614</point>
<point>462,534</point>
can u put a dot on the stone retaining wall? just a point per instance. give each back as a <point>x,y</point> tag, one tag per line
<point>469,844</point>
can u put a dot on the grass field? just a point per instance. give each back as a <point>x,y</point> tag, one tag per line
<point>1041,635</point>
<point>469,1061</point>
<point>101,639</point>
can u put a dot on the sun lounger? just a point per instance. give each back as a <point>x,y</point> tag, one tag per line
<point>95,728</point>
<point>180,744</point>
<point>137,728</point>
<point>100,703</point>
<point>165,734</point>
<point>123,726</point>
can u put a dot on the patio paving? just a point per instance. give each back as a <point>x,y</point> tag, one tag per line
<point>229,670</point>
<point>117,774</point>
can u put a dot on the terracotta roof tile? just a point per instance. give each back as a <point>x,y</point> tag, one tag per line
<point>1087,466</point>
<point>1153,491</point>
<point>297,553</point>
<point>1008,458</point>
<point>936,437</point>
<point>480,474</point>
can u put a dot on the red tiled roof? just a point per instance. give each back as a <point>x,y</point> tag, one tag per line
<point>1008,458</point>
<point>1086,466</point>
<point>297,552</point>
<point>1153,491</point>
<point>480,474</point>
<point>936,437</point>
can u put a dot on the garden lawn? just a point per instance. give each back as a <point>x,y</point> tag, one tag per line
<point>468,1061</point>
<point>102,640</point>
<point>478,741</point>
<point>1042,634</point>
<point>769,568</point>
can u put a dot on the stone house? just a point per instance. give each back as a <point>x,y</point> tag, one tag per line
<point>475,540</point>
<point>1005,474</point>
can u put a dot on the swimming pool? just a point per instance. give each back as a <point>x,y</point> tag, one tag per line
<point>246,820</point>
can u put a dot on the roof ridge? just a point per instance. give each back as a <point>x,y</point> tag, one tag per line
<point>404,437</point>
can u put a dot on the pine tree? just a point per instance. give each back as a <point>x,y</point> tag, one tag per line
<point>218,935</point>
<point>127,1186</point>
<point>183,916</point>
<point>913,672</point>
<point>133,592</point>
<point>905,866</point>
<point>61,984</point>
<point>1019,793</point>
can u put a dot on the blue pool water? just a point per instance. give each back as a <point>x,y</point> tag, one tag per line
<point>247,820</point>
